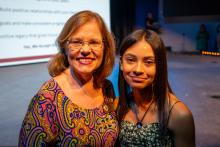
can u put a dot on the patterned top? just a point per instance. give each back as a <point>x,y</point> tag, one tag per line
<point>53,120</point>
<point>147,136</point>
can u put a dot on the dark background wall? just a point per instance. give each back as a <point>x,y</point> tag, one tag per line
<point>129,15</point>
<point>142,7</point>
<point>122,18</point>
<point>175,8</point>
<point>180,19</point>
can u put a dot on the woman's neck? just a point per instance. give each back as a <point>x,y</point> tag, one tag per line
<point>80,79</point>
<point>80,84</point>
<point>75,81</point>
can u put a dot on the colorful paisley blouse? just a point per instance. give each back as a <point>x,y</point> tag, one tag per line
<point>53,120</point>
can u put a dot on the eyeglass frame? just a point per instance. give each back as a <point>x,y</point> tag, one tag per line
<point>81,43</point>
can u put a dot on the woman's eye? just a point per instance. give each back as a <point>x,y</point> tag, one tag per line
<point>94,42</point>
<point>75,42</point>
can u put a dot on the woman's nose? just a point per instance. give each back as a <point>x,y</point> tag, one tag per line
<point>85,50</point>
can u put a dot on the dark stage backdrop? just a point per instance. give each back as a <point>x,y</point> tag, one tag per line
<point>191,10</point>
<point>191,7</point>
<point>122,18</point>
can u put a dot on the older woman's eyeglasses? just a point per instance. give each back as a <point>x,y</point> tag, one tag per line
<point>78,44</point>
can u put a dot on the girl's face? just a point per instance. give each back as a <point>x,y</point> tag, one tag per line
<point>85,49</point>
<point>138,65</point>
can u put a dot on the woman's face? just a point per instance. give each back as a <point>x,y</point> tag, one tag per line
<point>85,49</point>
<point>138,65</point>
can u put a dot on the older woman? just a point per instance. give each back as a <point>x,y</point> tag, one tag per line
<point>75,107</point>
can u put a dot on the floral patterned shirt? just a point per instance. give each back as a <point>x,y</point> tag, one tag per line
<point>146,136</point>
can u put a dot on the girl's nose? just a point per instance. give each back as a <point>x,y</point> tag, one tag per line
<point>138,70</point>
<point>138,73</point>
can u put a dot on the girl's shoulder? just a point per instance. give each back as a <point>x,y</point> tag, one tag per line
<point>178,107</point>
<point>181,123</point>
<point>179,113</point>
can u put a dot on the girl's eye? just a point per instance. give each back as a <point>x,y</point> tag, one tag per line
<point>130,60</point>
<point>149,62</point>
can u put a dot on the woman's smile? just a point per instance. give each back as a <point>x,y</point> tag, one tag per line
<point>85,61</point>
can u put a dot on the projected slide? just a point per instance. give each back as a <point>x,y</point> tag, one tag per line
<point>29,28</point>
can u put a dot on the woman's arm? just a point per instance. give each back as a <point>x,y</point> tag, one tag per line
<point>181,124</point>
<point>38,126</point>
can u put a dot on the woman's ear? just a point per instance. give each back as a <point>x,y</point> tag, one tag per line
<point>63,51</point>
<point>66,49</point>
<point>66,52</point>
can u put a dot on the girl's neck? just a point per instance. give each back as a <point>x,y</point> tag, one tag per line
<point>142,97</point>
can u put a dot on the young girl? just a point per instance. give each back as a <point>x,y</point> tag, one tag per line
<point>149,113</point>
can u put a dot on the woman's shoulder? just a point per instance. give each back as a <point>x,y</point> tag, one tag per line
<point>48,89</point>
<point>179,113</point>
<point>108,89</point>
<point>45,93</point>
<point>107,83</point>
<point>49,84</point>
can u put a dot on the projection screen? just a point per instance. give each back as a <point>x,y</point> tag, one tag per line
<point>28,28</point>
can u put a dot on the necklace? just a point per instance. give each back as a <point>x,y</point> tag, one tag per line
<point>139,123</point>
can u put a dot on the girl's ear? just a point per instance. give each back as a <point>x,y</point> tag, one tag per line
<point>121,67</point>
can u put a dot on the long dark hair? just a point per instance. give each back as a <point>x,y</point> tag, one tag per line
<point>161,85</point>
